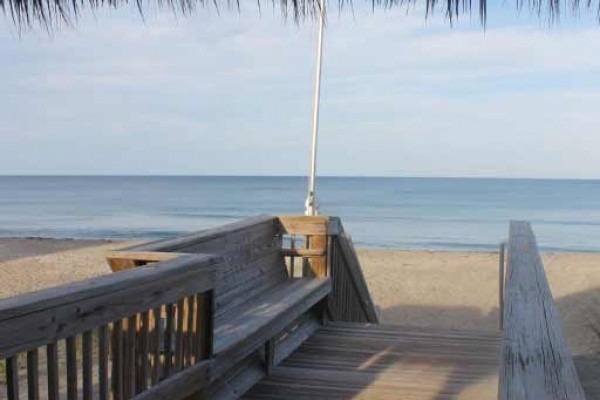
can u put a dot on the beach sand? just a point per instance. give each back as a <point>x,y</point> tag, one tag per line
<point>423,288</point>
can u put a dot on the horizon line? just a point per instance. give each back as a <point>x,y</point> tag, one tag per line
<point>287,176</point>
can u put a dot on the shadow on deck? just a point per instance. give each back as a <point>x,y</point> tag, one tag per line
<point>362,361</point>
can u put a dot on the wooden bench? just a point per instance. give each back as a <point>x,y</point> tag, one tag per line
<point>255,299</point>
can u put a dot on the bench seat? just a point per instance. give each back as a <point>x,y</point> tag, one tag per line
<point>280,304</point>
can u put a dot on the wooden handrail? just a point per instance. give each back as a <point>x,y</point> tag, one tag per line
<point>536,363</point>
<point>120,312</point>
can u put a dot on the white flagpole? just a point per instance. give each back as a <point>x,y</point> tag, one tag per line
<point>311,205</point>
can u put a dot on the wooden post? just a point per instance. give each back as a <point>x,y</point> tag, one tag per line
<point>318,265</point>
<point>269,356</point>
<point>501,252</point>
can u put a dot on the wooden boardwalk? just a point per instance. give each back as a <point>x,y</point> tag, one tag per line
<point>361,361</point>
<point>273,308</point>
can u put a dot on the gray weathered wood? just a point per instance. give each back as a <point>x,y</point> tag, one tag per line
<point>143,367</point>
<point>30,321</point>
<point>249,330</point>
<point>303,225</point>
<point>180,385</point>
<point>200,241</point>
<point>87,371</point>
<point>357,280</point>
<point>71,344</point>
<point>117,360</point>
<point>103,343</point>
<point>536,362</point>
<point>33,389</point>
<point>52,371</point>
<point>12,378</point>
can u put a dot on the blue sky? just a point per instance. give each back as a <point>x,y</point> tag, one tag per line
<point>231,93</point>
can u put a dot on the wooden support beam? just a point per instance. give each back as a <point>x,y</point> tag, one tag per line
<point>303,225</point>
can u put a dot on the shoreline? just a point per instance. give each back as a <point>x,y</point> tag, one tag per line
<point>62,242</point>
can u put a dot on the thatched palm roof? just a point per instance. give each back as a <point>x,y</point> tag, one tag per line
<point>27,12</point>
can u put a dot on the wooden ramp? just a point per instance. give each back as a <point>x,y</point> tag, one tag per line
<point>363,361</point>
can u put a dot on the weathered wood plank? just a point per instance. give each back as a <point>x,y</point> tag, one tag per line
<point>12,378</point>
<point>35,301</point>
<point>121,260</point>
<point>144,364</point>
<point>156,345</point>
<point>71,368</point>
<point>168,351</point>
<point>52,370</point>
<point>364,361</point>
<point>303,225</point>
<point>349,261</point>
<point>180,385</point>
<point>33,389</point>
<point>129,375</point>
<point>87,371</point>
<point>536,361</point>
<point>103,343</point>
<point>117,360</point>
<point>267,307</point>
<point>317,252</point>
<point>236,232</point>
<point>72,309</point>
<point>258,324</point>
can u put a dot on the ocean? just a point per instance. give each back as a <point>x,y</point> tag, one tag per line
<point>407,213</point>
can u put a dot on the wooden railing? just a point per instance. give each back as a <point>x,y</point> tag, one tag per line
<point>319,246</point>
<point>142,333</point>
<point>536,363</point>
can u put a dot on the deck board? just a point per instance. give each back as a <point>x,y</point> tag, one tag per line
<point>362,361</point>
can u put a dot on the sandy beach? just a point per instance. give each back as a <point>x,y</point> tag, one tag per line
<point>423,288</point>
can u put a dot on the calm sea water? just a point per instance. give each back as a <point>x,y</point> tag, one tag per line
<point>422,213</point>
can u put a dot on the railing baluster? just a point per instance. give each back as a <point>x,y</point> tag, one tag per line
<point>130,367</point>
<point>142,383</point>
<point>189,334</point>
<point>33,392</point>
<point>292,258</point>
<point>179,338</point>
<point>117,360</point>
<point>169,341</point>
<point>71,343</point>
<point>12,377</point>
<point>87,371</point>
<point>52,370</point>
<point>156,314</point>
<point>103,362</point>
<point>200,309</point>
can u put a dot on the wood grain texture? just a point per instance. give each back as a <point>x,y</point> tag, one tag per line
<point>87,366</point>
<point>121,260</point>
<point>363,361</point>
<point>33,389</point>
<point>536,361</point>
<point>303,225</point>
<point>223,238</point>
<point>350,287</point>
<point>52,370</point>
<point>276,303</point>
<point>30,321</point>
<point>179,386</point>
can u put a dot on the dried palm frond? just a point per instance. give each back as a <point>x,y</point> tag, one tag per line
<point>46,12</point>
